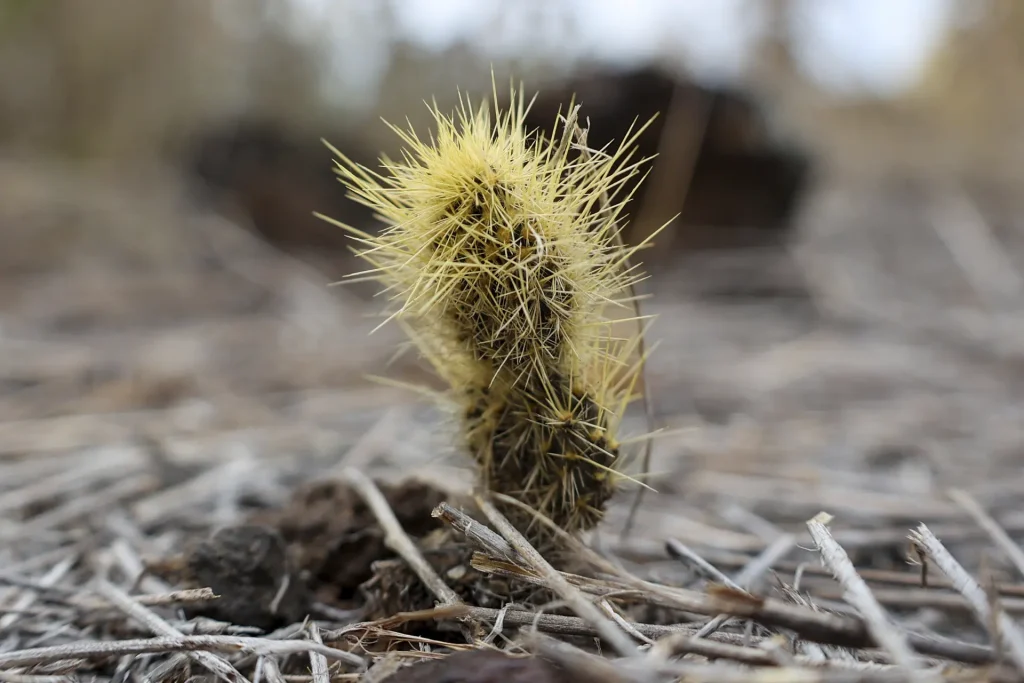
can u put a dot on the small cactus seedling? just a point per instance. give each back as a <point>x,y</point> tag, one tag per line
<point>503,258</point>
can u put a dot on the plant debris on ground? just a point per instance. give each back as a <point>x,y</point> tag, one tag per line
<point>223,497</point>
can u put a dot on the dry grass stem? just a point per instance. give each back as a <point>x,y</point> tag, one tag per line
<point>396,538</point>
<point>991,527</point>
<point>857,593</point>
<point>478,534</point>
<point>682,552</point>
<point>1007,631</point>
<point>557,583</point>
<point>751,573</point>
<point>809,624</point>
<point>317,661</point>
<point>158,626</point>
<point>196,645</point>
<point>25,600</point>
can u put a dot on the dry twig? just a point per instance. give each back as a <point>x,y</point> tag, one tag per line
<point>749,574</point>
<point>478,534</point>
<point>1007,631</point>
<point>859,595</point>
<point>991,527</point>
<point>317,661</point>
<point>557,583</point>
<point>154,623</point>
<point>811,625</point>
<point>396,539</point>
<point>198,645</point>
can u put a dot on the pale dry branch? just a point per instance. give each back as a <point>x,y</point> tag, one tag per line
<point>557,583</point>
<point>48,581</point>
<point>991,527</point>
<point>1007,631</point>
<point>317,661</point>
<point>857,593</point>
<point>478,534</point>
<point>189,644</point>
<point>396,538</point>
<point>751,573</point>
<point>812,625</point>
<point>157,625</point>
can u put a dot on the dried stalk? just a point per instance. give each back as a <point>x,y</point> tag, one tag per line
<point>857,593</point>
<point>478,534</point>
<point>317,661</point>
<point>196,645</point>
<point>557,583</point>
<point>154,623</point>
<point>396,539</point>
<point>991,527</point>
<point>809,624</point>
<point>1007,632</point>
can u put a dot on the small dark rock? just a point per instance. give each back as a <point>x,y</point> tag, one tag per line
<point>248,567</point>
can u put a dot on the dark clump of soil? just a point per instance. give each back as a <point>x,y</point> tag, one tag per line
<point>248,568</point>
<point>325,545</point>
<point>338,546</point>
<point>395,588</point>
<point>482,666</point>
<point>336,542</point>
<point>334,539</point>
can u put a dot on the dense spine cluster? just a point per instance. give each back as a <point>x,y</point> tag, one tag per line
<point>503,259</point>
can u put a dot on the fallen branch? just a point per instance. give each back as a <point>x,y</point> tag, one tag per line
<point>396,539</point>
<point>190,644</point>
<point>1007,631</point>
<point>857,593</point>
<point>553,580</point>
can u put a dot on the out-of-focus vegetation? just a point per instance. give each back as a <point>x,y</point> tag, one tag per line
<point>127,85</point>
<point>963,118</point>
<point>116,80</point>
<point>123,81</point>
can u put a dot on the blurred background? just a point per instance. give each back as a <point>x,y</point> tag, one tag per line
<point>840,295</point>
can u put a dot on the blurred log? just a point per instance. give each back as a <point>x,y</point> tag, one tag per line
<point>718,166</point>
<point>270,179</point>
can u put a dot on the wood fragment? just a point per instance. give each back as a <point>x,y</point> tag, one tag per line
<point>396,538</point>
<point>191,644</point>
<point>553,580</point>
<point>478,534</point>
<point>317,661</point>
<point>991,527</point>
<point>857,593</point>
<point>153,622</point>
<point>1007,632</point>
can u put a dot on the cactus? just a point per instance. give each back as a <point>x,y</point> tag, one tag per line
<point>502,257</point>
